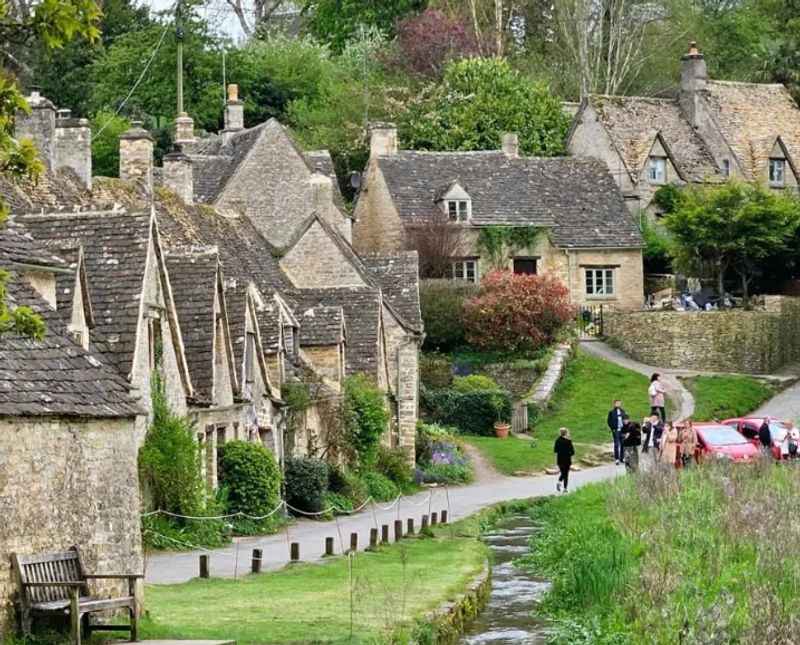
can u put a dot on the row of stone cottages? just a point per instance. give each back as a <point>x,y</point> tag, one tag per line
<point>229,270</point>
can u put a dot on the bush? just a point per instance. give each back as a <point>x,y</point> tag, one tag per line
<point>435,370</point>
<point>534,414</point>
<point>380,487</point>
<point>348,484</point>
<point>470,412</point>
<point>517,312</point>
<point>442,305</point>
<point>392,462</point>
<point>440,457</point>
<point>474,383</point>
<point>444,474</point>
<point>365,415</point>
<point>251,476</point>
<point>306,483</point>
<point>341,504</point>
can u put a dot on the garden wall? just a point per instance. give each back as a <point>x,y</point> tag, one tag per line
<point>756,342</point>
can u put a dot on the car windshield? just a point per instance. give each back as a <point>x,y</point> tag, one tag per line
<point>721,436</point>
<point>777,431</point>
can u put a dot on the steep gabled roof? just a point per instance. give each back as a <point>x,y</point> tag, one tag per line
<point>55,376</point>
<point>634,122</point>
<point>398,277</point>
<point>575,197</point>
<point>751,117</point>
<point>362,314</point>
<point>115,249</point>
<point>321,326</point>
<point>17,247</point>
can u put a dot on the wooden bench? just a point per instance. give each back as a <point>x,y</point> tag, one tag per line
<point>57,584</point>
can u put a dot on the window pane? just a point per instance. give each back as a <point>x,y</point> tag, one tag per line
<point>470,270</point>
<point>609,281</point>
<point>589,282</point>
<point>458,270</point>
<point>452,210</point>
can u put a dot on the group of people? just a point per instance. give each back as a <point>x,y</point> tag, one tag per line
<point>788,439</point>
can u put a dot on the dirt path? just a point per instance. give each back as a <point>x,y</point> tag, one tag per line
<point>484,472</point>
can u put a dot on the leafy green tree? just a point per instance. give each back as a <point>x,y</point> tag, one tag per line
<point>106,128</point>
<point>477,101</point>
<point>734,227</point>
<point>365,416</point>
<point>338,21</point>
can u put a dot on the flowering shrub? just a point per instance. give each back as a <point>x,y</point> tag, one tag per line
<point>517,312</point>
<point>440,458</point>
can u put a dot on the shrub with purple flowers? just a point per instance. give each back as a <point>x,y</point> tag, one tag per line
<point>440,456</point>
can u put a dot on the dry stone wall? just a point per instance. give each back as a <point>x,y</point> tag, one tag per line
<point>757,342</point>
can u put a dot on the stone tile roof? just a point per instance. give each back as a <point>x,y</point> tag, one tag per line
<point>194,280</point>
<point>752,116</point>
<point>398,276</point>
<point>115,252</point>
<point>362,314</point>
<point>633,122</point>
<point>269,325</point>
<point>17,246</point>
<point>60,190</point>
<point>577,198</point>
<point>320,325</point>
<point>55,376</point>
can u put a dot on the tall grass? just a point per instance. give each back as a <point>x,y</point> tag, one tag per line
<point>704,556</point>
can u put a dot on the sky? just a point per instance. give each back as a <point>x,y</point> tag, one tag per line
<point>218,13</point>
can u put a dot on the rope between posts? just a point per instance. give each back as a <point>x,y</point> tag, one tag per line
<point>217,517</point>
<point>392,505</point>
<point>424,501</point>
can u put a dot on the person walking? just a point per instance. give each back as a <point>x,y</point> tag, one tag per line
<point>793,442</point>
<point>631,443</point>
<point>765,437</point>
<point>616,419</point>
<point>656,392</point>
<point>689,444</point>
<point>669,445</point>
<point>564,450</point>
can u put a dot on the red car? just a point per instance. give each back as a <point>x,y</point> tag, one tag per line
<point>748,427</point>
<point>720,441</point>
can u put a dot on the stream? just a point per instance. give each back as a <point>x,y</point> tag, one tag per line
<point>508,616</point>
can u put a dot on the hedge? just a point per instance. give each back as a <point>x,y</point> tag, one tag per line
<point>470,412</point>
<point>306,483</point>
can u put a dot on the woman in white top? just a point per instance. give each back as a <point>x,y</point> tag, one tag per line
<point>790,443</point>
<point>656,392</point>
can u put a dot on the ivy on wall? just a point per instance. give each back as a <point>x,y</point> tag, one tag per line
<point>499,243</point>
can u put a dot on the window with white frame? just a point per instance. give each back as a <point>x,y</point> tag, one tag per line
<point>458,210</point>
<point>657,170</point>
<point>726,167</point>
<point>600,282</point>
<point>466,270</point>
<point>777,172</point>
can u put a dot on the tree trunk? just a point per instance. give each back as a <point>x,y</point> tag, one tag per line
<point>721,279</point>
<point>745,290</point>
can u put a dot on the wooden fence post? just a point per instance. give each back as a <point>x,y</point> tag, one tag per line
<point>255,566</point>
<point>353,542</point>
<point>204,566</point>
<point>328,546</point>
<point>294,552</point>
<point>384,534</point>
<point>398,530</point>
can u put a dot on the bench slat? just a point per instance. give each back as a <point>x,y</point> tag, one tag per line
<point>47,557</point>
<point>85,603</point>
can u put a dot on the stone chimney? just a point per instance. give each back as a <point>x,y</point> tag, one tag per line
<point>39,126</point>
<point>383,140</point>
<point>72,146</point>
<point>234,112</point>
<point>694,76</point>
<point>321,193</point>
<point>184,129</point>
<point>136,156</point>
<point>178,175</point>
<point>510,145</point>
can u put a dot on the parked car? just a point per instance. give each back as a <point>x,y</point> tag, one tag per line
<point>748,427</point>
<point>720,441</point>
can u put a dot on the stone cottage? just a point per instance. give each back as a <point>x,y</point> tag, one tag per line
<point>68,435</point>
<point>707,132</point>
<point>578,226</point>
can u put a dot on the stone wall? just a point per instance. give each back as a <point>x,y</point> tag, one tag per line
<point>65,483</point>
<point>757,342</point>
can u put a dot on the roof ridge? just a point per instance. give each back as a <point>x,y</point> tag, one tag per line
<point>82,214</point>
<point>748,83</point>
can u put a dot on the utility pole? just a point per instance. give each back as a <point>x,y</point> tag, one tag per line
<point>179,39</point>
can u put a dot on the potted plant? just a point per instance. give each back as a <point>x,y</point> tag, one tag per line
<point>501,427</point>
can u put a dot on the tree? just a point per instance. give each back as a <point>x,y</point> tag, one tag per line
<point>428,41</point>
<point>254,18</point>
<point>437,241</point>
<point>517,312</point>
<point>337,21</point>
<point>734,227</point>
<point>476,102</point>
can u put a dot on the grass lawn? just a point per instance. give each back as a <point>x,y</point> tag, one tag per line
<point>307,603</point>
<point>723,397</point>
<point>581,402</point>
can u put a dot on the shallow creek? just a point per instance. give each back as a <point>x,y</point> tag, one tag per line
<point>509,615</point>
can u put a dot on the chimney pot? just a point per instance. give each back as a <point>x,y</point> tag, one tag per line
<point>233,93</point>
<point>234,112</point>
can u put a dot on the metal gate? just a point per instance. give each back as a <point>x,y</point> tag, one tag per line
<point>590,321</point>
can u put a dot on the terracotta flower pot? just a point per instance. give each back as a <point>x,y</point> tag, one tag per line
<point>501,429</point>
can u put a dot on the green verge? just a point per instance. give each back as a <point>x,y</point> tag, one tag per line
<point>392,590</point>
<point>723,397</point>
<point>580,403</point>
<point>698,556</point>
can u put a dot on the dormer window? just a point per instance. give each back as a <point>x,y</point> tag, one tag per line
<point>657,170</point>
<point>777,172</point>
<point>458,210</point>
<point>726,167</point>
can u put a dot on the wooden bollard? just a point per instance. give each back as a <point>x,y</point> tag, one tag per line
<point>398,530</point>
<point>410,526</point>
<point>255,566</point>
<point>328,546</point>
<point>434,519</point>
<point>204,566</point>
<point>294,551</point>
<point>424,523</point>
<point>384,534</point>
<point>443,517</point>
<point>373,539</point>
<point>353,542</point>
